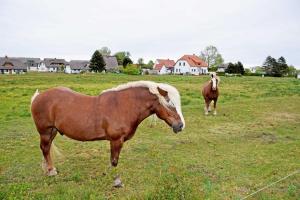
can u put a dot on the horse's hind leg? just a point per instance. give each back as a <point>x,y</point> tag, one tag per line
<point>46,138</point>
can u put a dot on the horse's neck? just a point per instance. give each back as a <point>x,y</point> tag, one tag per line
<point>145,109</point>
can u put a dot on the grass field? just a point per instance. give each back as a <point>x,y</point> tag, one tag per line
<point>253,141</point>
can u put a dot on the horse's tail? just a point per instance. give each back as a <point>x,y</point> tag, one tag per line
<point>35,95</point>
<point>55,152</point>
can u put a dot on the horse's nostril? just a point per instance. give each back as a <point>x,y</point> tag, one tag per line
<point>181,125</point>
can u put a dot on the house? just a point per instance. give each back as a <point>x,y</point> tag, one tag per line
<point>77,66</point>
<point>190,64</point>
<point>222,67</point>
<point>51,65</point>
<point>164,66</point>
<point>298,76</point>
<point>111,63</point>
<point>11,66</point>
<point>30,63</point>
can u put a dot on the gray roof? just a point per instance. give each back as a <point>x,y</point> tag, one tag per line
<point>15,63</point>
<point>54,62</point>
<point>27,61</point>
<point>79,64</point>
<point>111,62</point>
<point>224,65</point>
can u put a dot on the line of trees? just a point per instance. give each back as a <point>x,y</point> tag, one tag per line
<point>235,68</point>
<point>277,68</point>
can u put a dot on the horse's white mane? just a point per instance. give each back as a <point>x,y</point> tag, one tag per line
<point>173,93</point>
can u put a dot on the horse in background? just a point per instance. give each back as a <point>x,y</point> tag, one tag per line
<point>210,93</point>
<point>114,115</point>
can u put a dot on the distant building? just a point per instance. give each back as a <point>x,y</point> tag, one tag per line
<point>77,66</point>
<point>12,66</point>
<point>111,63</point>
<point>164,66</point>
<point>190,64</point>
<point>298,76</point>
<point>222,67</point>
<point>51,65</point>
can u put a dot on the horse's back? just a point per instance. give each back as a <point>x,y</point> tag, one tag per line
<point>58,101</point>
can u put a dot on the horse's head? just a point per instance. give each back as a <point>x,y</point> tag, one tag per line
<point>169,107</point>
<point>214,81</point>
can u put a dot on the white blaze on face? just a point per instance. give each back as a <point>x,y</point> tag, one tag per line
<point>175,102</point>
<point>214,83</point>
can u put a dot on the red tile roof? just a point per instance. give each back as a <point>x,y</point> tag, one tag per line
<point>164,62</point>
<point>194,61</point>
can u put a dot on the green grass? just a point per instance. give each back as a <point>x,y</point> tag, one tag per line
<point>253,141</point>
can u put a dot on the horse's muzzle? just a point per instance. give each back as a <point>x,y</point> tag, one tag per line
<point>178,127</point>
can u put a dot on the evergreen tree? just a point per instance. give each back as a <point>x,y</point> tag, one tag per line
<point>240,68</point>
<point>97,63</point>
<point>230,69</point>
<point>127,61</point>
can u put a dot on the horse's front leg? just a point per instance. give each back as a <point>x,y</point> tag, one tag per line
<point>115,149</point>
<point>206,107</point>
<point>215,106</point>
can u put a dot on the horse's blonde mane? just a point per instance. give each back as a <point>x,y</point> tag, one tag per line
<point>152,86</point>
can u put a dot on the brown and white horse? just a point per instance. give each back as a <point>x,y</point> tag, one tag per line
<point>210,93</point>
<point>113,115</point>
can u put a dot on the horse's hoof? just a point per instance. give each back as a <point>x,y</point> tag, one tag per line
<point>52,172</point>
<point>118,183</point>
<point>215,113</point>
<point>206,113</point>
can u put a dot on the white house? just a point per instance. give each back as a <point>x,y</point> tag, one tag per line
<point>51,65</point>
<point>190,64</point>
<point>164,66</point>
<point>76,66</point>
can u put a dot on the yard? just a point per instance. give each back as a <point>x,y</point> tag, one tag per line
<point>253,141</point>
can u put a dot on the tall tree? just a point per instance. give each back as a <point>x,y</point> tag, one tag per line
<point>240,68</point>
<point>281,68</point>
<point>97,63</point>
<point>269,63</point>
<point>141,62</point>
<point>121,55</point>
<point>211,56</point>
<point>105,51</point>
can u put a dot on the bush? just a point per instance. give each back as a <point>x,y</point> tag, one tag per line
<point>131,70</point>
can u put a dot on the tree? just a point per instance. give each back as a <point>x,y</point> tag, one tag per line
<point>149,65</point>
<point>121,55</point>
<point>211,56</point>
<point>105,51</point>
<point>127,61</point>
<point>292,71</point>
<point>97,63</point>
<point>236,68</point>
<point>141,62</point>
<point>240,68</point>
<point>269,63</point>
<point>230,68</point>
<point>275,67</point>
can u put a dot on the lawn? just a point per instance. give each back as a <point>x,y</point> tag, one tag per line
<point>253,141</point>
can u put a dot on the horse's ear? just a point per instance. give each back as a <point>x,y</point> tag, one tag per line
<point>212,75</point>
<point>162,92</point>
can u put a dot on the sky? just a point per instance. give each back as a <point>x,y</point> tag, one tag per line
<point>246,31</point>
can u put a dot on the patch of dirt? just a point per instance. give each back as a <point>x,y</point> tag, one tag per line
<point>264,137</point>
<point>281,116</point>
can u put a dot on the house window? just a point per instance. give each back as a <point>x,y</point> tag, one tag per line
<point>183,63</point>
<point>179,63</point>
